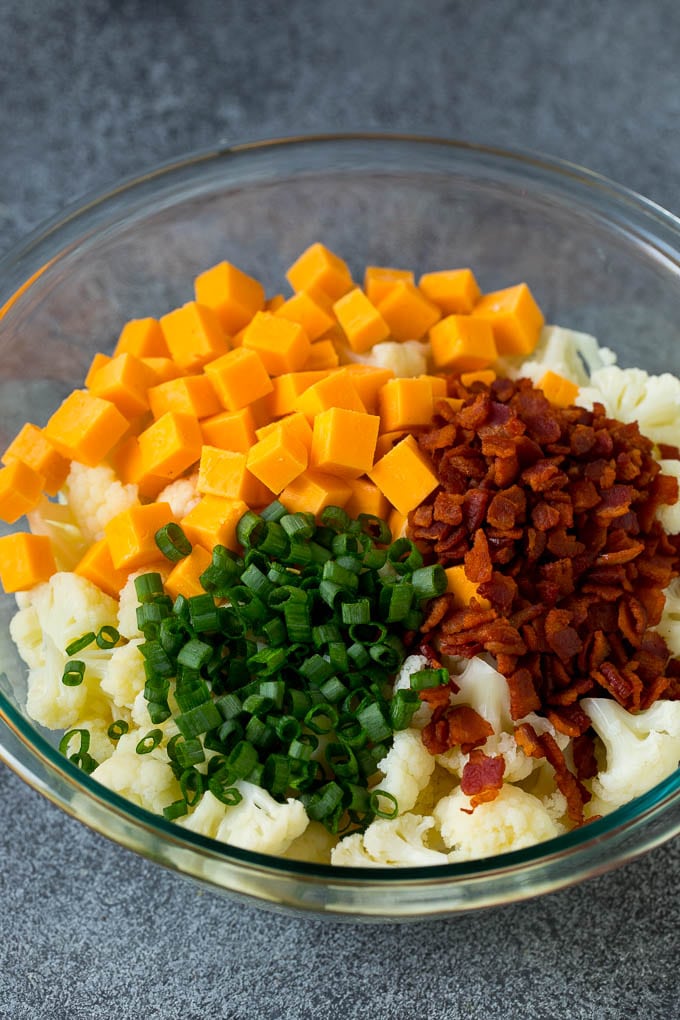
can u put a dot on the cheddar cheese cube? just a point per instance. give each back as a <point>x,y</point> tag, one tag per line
<point>405,403</point>
<point>32,447</point>
<point>277,459</point>
<point>343,441</point>
<point>25,560</point>
<point>407,312</point>
<point>188,394</point>
<point>194,336</point>
<point>20,490</point>
<point>462,343</point>
<point>454,291</point>
<point>319,269</point>
<point>282,344</point>
<point>405,476</point>
<point>231,294</point>
<point>239,378</point>
<point>225,473</point>
<point>97,566</point>
<point>463,589</point>
<point>131,535</point>
<point>558,390</point>
<point>378,280</point>
<point>314,490</point>
<point>230,430</point>
<point>313,312</point>
<point>514,316</point>
<point>85,427</point>
<point>184,578</point>
<point>213,522</point>
<point>143,338</point>
<point>362,323</point>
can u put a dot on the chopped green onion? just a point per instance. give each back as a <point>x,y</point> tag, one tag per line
<point>148,586</point>
<point>84,741</point>
<point>149,742</point>
<point>321,718</point>
<point>203,613</point>
<point>82,642</point>
<point>428,582</point>
<point>199,719</point>
<point>376,800</point>
<point>375,528</point>
<point>221,787</point>
<point>177,809</point>
<point>422,679</point>
<point>191,785</point>
<point>373,721</point>
<point>172,542</point>
<point>117,729</point>
<point>74,673</point>
<point>195,653</point>
<point>249,529</point>
<point>276,511</point>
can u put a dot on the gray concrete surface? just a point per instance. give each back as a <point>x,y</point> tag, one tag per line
<point>92,91</point>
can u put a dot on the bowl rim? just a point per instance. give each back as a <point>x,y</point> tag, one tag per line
<point>573,844</point>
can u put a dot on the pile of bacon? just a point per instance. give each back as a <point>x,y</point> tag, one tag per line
<point>552,512</point>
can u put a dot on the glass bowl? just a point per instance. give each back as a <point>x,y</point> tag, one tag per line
<point>598,258</point>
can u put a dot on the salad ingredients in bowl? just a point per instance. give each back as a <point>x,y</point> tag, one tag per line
<point>378,575</point>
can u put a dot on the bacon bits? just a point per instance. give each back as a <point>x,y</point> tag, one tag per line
<point>482,777</point>
<point>552,512</point>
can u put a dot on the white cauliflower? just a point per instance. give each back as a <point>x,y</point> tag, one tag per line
<point>631,395</point>
<point>669,513</point>
<point>564,351</point>
<point>407,358</point>
<point>181,494</point>
<point>390,842</point>
<point>145,779</point>
<point>125,676</point>
<point>56,520</point>
<point>128,603</point>
<point>64,608</point>
<point>260,823</point>
<point>669,625</point>
<point>406,768</point>
<point>96,495</point>
<point>515,819</point>
<point>315,844</point>
<point>641,749</point>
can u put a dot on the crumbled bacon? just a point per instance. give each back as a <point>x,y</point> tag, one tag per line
<point>552,513</point>
<point>455,725</point>
<point>482,777</point>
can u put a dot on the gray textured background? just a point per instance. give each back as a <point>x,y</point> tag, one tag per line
<point>94,90</point>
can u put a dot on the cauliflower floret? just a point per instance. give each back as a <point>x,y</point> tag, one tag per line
<point>58,523</point>
<point>258,822</point>
<point>641,749</point>
<point>406,768</point>
<point>390,842</point>
<point>513,820</point>
<point>125,676</point>
<point>669,625</point>
<point>145,779</point>
<point>631,395</point>
<point>95,495</point>
<point>564,351</point>
<point>408,358</point>
<point>69,606</point>
<point>101,746</point>
<point>26,633</point>
<point>181,495</point>
<point>315,844</point>
<point>669,513</point>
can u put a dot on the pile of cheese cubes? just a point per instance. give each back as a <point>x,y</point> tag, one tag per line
<point>265,399</point>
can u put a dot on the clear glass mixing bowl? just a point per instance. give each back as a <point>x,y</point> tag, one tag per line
<point>598,258</point>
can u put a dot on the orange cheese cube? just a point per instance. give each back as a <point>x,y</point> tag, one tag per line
<point>437,385</point>
<point>514,316</point>
<point>194,336</point>
<point>343,441</point>
<point>124,380</point>
<point>313,490</point>
<point>184,578</point>
<point>25,560</point>
<point>97,566</point>
<point>131,535</point>
<point>558,390</point>
<point>484,375</point>
<point>128,463</point>
<point>462,343</point>
<point>366,498</point>
<point>378,280</point>
<point>273,304</point>
<point>455,403</point>
<point>230,430</point>
<point>213,522</point>
<point>454,291</point>
<point>170,445</point>
<point>386,440</point>
<point>322,354</point>
<point>319,269</point>
<point>97,362</point>
<point>143,338</point>
<point>404,475</point>
<point>162,369</point>
<point>368,380</point>
<point>294,424</point>
<point>362,323</point>
<point>463,589</point>
<point>225,473</point>
<point>20,490</point>
<point>85,427</point>
<point>231,294</point>
<point>313,313</point>
<point>239,378</point>
<point>282,344</point>
<point>32,447</point>
<point>407,312</point>
<point>287,388</point>
<point>189,394</point>
<point>405,403</point>
<point>334,390</point>
<point>277,459</point>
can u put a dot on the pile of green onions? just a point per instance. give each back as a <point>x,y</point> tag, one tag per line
<point>282,672</point>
